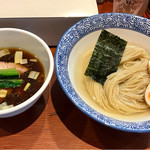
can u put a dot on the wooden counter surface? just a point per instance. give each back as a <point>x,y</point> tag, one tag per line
<point>55,123</point>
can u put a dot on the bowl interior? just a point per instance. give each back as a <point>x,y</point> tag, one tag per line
<point>76,69</point>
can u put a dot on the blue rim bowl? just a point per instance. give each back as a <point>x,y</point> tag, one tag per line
<point>69,40</point>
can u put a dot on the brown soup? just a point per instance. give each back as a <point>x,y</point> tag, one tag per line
<point>17,95</point>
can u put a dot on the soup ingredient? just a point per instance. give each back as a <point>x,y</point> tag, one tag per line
<point>18,57</point>
<point>9,73</point>
<point>27,86</point>
<point>9,78</point>
<point>3,93</point>
<point>20,68</point>
<point>24,61</point>
<point>147,95</point>
<point>10,83</point>
<point>4,52</point>
<point>106,56</point>
<point>33,75</point>
<point>5,106</point>
<point>33,60</point>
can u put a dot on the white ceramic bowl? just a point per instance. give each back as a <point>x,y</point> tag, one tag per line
<point>12,37</point>
<point>83,36</point>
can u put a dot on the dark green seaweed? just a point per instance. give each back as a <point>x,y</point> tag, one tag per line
<point>106,56</point>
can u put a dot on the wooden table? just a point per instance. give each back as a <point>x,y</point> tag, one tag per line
<point>55,123</point>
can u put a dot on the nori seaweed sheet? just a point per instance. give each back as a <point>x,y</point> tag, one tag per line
<point>106,56</point>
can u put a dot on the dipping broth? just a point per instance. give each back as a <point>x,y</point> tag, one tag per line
<point>29,85</point>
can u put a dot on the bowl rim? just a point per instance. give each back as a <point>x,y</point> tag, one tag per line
<point>138,127</point>
<point>33,99</point>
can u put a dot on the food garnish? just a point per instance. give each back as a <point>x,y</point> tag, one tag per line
<point>33,60</point>
<point>33,75</point>
<point>3,93</point>
<point>10,83</point>
<point>27,86</point>
<point>4,52</point>
<point>18,57</point>
<point>106,56</point>
<point>9,73</point>
<point>19,67</point>
<point>24,61</point>
<point>4,105</point>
